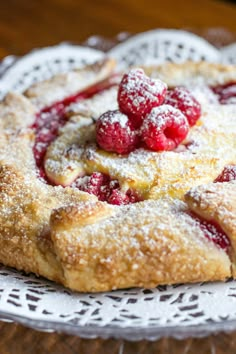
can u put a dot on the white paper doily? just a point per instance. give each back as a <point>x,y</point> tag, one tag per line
<point>179,311</point>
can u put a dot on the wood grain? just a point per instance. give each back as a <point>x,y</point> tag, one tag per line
<point>26,24</point>
<point>16,339</point>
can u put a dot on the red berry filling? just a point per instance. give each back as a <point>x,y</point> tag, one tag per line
<point>226,93</point>
<point>46,130</point>
<point>105,189</point>
<point>50,119</point>
<point>213,232</point>
<point>116,133</point>
<point>138,93</point>
<point>164,128</point>
<point>182,99</point>
<point>228,174</point>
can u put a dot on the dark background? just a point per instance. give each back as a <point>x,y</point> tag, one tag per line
<point>26,24</point>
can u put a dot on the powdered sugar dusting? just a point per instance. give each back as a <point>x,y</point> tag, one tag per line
<point>147,232</point>
<point>92,107</point>
<point>216,201</point>
<point>138,94</point>
<point>159,116</point>
<point>47,92</point>
<point>182,99</point>
<point>118,117</point>
<point>148,89</point>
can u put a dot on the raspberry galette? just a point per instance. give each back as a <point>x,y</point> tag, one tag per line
<point>111,181</point>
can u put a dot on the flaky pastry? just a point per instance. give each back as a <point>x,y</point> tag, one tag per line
<point>177,221</point>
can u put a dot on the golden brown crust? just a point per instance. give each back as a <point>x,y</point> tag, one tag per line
<point>144,244</point>
<point>26,205</point>
<point>16,112</point>
<point>193,73</point>
<point>217,201</point>
<point>45,93</point>
<point>69,236</point>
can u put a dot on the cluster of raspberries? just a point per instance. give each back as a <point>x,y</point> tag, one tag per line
<point>149,116</point>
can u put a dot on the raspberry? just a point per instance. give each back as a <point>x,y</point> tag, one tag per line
<point>138,93</point>
<point>136,121</point>
<point>228,174</point>
<point>164,128</point>
<point>182,99</point>
<point>116,133</point>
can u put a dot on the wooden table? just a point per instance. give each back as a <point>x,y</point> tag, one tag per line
<point>28,24</point>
